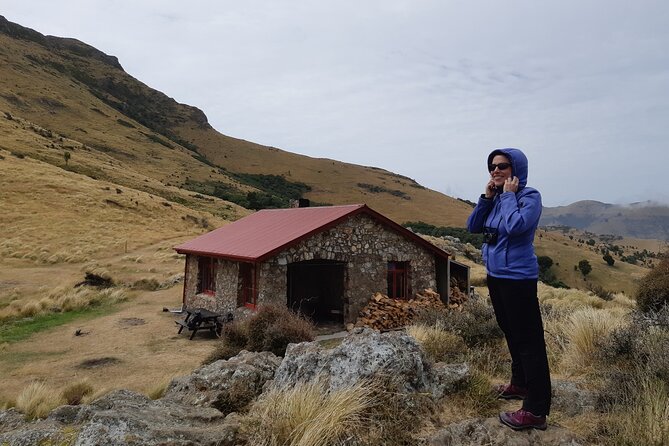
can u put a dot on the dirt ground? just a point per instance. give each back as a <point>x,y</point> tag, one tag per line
<point>136,347</point>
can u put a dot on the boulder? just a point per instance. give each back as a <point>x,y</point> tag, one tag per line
<point>225,385</point>
<point>369,354</point>
<point>123,417</point>
<point>188,414</point>
<point>491,432</point>
<point>571,398</point>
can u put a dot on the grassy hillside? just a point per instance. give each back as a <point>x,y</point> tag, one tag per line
<point>73,90</point>
<point>566,253</point>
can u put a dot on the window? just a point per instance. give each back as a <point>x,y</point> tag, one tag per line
<point>206,275</point>
<point>246,295</point>
<point>398,280</point>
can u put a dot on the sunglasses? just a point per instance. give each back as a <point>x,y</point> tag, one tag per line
<point>500,166</point>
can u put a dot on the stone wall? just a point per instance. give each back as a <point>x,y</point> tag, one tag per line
<point>365,246</point>
<point>225,299</point>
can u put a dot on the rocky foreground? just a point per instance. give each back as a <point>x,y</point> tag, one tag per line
<point>200,409</point>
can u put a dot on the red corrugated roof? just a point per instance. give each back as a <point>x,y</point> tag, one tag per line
<point>264,233</point>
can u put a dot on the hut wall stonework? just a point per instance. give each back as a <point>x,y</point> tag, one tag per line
<point>225,299</point>
<point>365,246</point>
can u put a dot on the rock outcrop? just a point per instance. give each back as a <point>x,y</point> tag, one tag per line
<point>369,354</point>
<point>200,409</point>
<point>225,385</point>
<point>491,432</point>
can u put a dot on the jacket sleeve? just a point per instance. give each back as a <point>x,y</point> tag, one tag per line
<point>476,220</point>
<point>520,212</point>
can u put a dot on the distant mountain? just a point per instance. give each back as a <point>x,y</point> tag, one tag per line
<point>646,219</point>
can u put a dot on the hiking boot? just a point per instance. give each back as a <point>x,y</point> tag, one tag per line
<point>522,419</point>
<point>511,392</point>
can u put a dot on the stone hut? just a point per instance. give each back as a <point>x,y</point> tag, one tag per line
<point>324,261</point>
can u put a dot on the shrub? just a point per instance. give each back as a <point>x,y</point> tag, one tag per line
<point>396,417</point>
<point>600,292</point>
<point>653,291</point>
<point>273,327</point>
<point>37,400</point>
<point>74,393</point>
<point>475,323</point>
<point>584,267</point>
<point>237,397</point>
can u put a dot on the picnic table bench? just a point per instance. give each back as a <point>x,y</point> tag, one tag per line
<point>203,319</point>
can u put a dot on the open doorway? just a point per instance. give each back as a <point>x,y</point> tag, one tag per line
<point>316,289</point>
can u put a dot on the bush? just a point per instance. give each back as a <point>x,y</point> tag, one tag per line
<point>600,292</point>
<point>584,267</point>
<point>475,323</point>
<point>271,328</point>
<point>653,291</point>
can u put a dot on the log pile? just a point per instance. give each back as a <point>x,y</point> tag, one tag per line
<point>384,313</point>
<point>457,297</point>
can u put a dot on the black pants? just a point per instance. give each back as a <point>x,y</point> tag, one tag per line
<point>517,312</point>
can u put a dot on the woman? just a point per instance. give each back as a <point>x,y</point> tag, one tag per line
<point>508,214</point>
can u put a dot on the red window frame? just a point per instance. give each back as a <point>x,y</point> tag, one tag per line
<point>247,285</point>
<point>206,275</point>
<point>398,280</point>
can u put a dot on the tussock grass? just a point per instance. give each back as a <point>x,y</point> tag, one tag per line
<point>645,419</point>
<point>439,343</point>
<point>37,400</point>
<point>479,396</point>
<point>64,300</point>
<point>157,390</point>
<point>308,414</point>
<point>584,331</point>
<point>75,392</point>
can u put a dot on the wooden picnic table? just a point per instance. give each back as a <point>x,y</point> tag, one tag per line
<point>202,319</point>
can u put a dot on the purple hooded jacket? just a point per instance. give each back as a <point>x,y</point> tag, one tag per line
<point>515,217</point>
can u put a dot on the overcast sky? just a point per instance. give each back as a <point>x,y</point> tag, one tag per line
<point>422,88</point>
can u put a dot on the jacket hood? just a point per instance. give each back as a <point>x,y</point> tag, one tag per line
<point>518,162</point>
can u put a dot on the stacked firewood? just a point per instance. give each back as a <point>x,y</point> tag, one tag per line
<point>457,297</point>
<point>384,313</point>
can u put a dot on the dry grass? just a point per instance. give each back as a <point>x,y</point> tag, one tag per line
<point>37,400</point>
<point>645,419</point>
<point>157,390</point>
<point>308,415</point>
<point>582,331</point>
<point>439,343</point>
<point>76,392</point>
<point>65,299</point>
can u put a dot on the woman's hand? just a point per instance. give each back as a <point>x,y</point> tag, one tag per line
<point>511,185</point>
<point>490,189</point>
